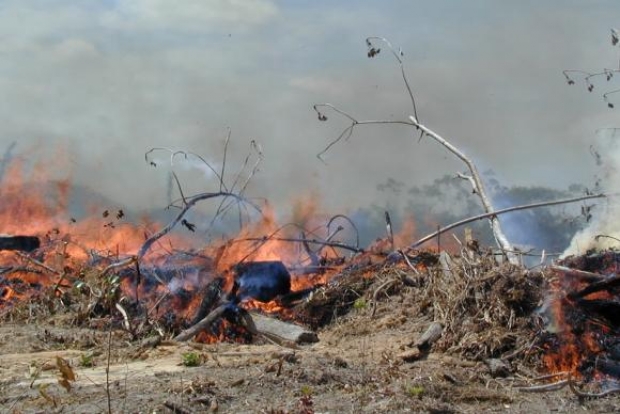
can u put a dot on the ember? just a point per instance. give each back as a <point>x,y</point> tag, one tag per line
<point>584,319</point>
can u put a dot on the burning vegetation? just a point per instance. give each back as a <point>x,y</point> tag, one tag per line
<point>282,284</point>
<point>268,284</point>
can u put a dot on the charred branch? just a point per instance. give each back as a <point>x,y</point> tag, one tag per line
<point>606,284</point>
<point>203,324</point>
<point>22,243</point>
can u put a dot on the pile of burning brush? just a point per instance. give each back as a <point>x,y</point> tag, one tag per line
<point>561,320</point>
<point>484,308</point>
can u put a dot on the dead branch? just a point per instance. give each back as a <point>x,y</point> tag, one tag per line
<point>311,241</point>
<point>123,312</point>
<point>348,220</point>
<point>429,337</point>
<point>262,240</point>
<point>605,284</point>
<point>478,188</point>
<point>411,266</point>
<point>348,131</point>
<point>116,265</point>
<point>389,230</point>
<point>283,333</point>
<point>579,274</point>
<point>545,387</point>
<point>223,206</point>
<point>224,157</point>
<point>38,263</point>
<point>605,236</point>
<point>214,315</point>
<point>398,55</point>
<point>588,76</point>
<point>186,155</point>
<point>502,211</point>
<point>581,394</point>
<point>190,203</point>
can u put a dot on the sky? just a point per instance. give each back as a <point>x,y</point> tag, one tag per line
<point>102,82</point>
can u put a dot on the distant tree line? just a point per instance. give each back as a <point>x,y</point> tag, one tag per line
<point>448,199</point>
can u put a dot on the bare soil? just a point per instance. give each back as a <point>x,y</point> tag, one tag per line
<point>355,367</point>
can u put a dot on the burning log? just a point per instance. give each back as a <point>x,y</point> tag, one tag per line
<point>260,281</point>
<point>23,243</point>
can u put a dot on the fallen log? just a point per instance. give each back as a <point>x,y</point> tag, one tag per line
<point>287,331</point>
<point>429,337</point>
<point>22,243</point>
<point>423,344</point>
<point>273,329</point>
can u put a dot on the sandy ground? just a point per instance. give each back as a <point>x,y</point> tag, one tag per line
<point>354,368</point>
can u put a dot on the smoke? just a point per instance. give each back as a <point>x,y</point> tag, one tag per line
<point>604,229</point>
<point>110,80</point>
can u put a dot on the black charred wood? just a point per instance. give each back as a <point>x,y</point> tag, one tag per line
<point>23,243</point>
<point>608,366</point>
<point>605,310</point>
<point>262,281</point>
<point>210,298</point>
<point>609,284</point>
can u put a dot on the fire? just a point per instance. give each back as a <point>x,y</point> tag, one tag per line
<point>175,281</point>
<point>167,285</point>
<point>580,335</point>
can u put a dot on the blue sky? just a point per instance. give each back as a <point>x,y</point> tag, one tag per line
<point>110,79</point>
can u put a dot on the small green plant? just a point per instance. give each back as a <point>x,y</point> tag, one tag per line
<point>306,391</point>
<point>359,304</point>
<point>191,359</point>
<point>414,391</point>
<point>87,360</point>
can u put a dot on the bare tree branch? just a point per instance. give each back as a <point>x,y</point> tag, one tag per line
<point>398,57</point>
<point>589,76</point>
<point>479,189</point>
<point>474,176</point>
<point>186,155</point>
<point>502,211</point>
<point>189,204</point>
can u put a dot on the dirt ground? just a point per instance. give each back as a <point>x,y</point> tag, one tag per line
<point>354,368</point>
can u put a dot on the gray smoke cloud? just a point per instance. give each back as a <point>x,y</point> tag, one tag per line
<point>604,229</point>
<point>108,80</point>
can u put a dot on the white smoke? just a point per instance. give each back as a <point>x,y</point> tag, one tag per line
<point>603,231</point>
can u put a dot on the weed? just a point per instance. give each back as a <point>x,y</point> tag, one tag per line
<point>414,391</point>
<point>359,304</point>
<point>191,359</point>
<point>87,360</point>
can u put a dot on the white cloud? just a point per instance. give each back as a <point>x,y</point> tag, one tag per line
<point>190,15</point>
